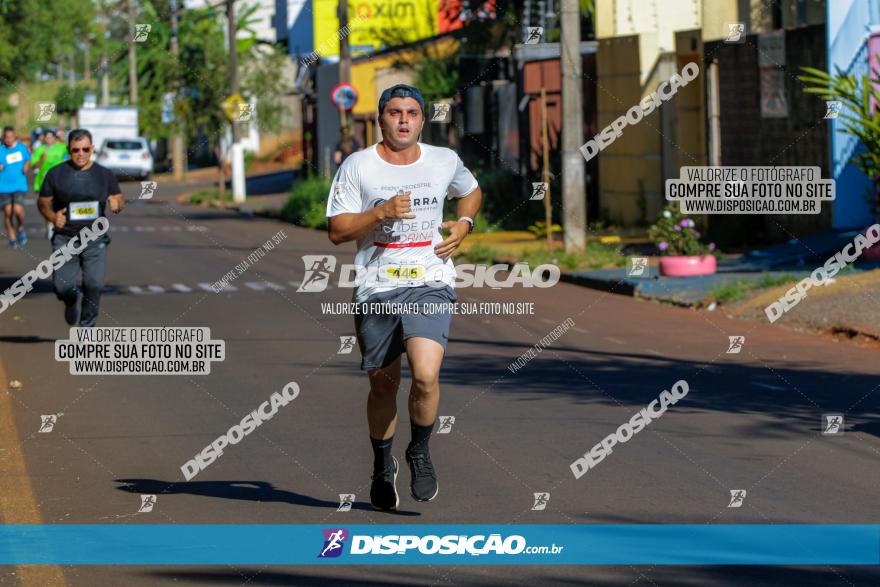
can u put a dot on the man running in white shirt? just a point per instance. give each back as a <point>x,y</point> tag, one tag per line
<point>389,198</point>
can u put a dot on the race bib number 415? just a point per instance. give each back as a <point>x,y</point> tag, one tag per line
<point>83,210</point>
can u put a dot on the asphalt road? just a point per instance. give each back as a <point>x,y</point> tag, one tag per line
<point>750,421</point>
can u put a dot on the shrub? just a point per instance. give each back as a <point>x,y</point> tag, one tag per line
<point>307,204</point>
<point>539,229</point>
<point>480,254</point>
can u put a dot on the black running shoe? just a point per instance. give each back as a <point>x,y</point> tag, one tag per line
<point>424,485</point>
<point>383,491</point>
<point>71,314</point>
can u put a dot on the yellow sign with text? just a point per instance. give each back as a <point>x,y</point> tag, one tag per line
<point>232,105</point>
<point>373,24</point>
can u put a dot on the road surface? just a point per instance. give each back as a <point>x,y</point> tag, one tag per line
<point>751,420</point>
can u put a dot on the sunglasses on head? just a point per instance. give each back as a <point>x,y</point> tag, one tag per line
<point>78,149</point>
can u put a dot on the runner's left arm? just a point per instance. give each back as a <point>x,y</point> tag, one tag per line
<point>468,206</point>
<point>116,199</point>
<point>465,189</point>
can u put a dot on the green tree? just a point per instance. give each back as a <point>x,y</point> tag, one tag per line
<point>261,69</point>
<point>32,37</point>
<point>860,117</point>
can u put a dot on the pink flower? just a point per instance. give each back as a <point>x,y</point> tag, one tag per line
<point>676,228</point>
<point>711,246</point>
<point>697,233</point>
<point>663,246</point>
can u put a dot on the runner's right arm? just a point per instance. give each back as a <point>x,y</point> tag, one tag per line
<point>40,157</point>
<point>44,204</point>
<point>353,225</point>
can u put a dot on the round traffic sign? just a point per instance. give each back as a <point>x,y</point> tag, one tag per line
<point>344,96</point>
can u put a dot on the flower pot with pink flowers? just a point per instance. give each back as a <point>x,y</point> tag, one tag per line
<point>677,238</point>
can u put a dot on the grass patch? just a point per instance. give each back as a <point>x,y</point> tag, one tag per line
<point>725,293</point>
<point>480,254</point>
<point>207,196</point>
<point>596,256</point>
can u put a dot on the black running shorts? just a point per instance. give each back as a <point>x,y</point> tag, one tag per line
<point>387,319</point>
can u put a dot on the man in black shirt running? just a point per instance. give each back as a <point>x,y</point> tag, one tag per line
<point>74,195</point>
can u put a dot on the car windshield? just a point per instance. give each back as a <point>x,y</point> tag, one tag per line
<point>125,145</point>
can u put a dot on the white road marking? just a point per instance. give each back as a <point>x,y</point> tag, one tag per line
<point>768,386</point>
<point>204,285</point>
<point>262,285</point>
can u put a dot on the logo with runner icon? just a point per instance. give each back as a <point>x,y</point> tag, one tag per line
<point>832,424</point>
<point>45,111</point>
<point>339,190</point>
<point>148,188</point>
<point>141,32</point>
<point>346,500</point>
<point>446,423</point>
<point>735,344</point>
<point>334,542</point>
<point>319,268</point>
<point>47,423</point>
<point>539,190</point>
<point>735,32</point>
<point>638,267</point>
<point>441,112</point>
<point>541,500</point>
<point>737,497</point>
<point>147,503</point>
<point>534,35</point>
<point>346,345</point>
<point>833,109</point>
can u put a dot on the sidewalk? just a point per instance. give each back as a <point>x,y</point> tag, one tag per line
<point>848,306</point>
<point>795,259</point>
<point>266,192</point>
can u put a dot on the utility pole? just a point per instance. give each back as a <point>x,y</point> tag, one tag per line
<point>132,57</point>
<point>105,63</point>
<point>178,159</point>
<point>344,57</point>
<point>574,201</point>
<point>237,151</point>
<point>87,45</point>
<point>545,174</point>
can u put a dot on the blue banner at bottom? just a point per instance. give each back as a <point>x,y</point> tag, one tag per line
<point>414,544</point>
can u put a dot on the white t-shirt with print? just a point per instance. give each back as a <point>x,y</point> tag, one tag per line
<point>400,253</point>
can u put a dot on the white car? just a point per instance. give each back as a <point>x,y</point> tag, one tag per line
<point>129,158</point>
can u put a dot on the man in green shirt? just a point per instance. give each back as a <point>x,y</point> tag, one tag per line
<point>46,156</point>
